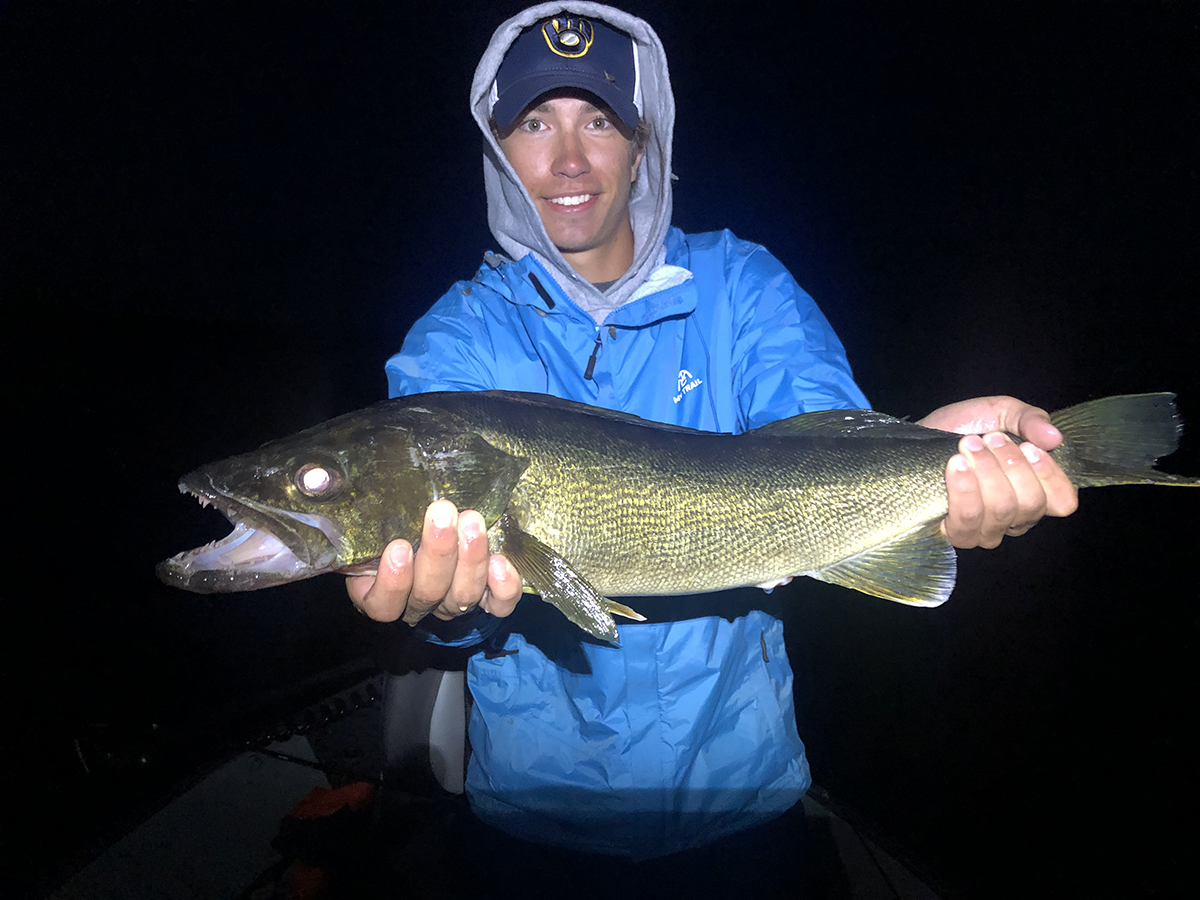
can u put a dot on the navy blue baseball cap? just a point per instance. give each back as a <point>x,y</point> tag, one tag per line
<point>568,51</point>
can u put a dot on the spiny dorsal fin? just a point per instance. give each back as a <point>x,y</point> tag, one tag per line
<point>918,567</point>
<point>847,423</point>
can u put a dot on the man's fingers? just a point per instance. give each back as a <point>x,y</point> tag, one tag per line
<point>435,561</point>
<point>962,522</point>
<point>1032,424</point>
<point>357,587</point>
<point>470,574</point>
<point>1006,491</point>
<point>1021,483</point>
<point>504,587</point>
<point>383,596</point>
<point>1062,497</point>
<point>1000,502</point>
<point>451,573</point>
<point>994,486</point>
<point>984,502</point>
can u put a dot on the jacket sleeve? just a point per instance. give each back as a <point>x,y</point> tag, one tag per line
<point>448,349</point>
<point>787,358</point>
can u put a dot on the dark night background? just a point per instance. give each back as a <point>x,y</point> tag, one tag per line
<point>220,218</point>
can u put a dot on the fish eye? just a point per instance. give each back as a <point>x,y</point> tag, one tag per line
<point>316,480</point>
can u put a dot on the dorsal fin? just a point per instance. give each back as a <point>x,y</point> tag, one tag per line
<point>848,423</point>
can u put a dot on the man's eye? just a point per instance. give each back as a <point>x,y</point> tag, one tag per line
<point>599,122</point>
<point>532,125</point>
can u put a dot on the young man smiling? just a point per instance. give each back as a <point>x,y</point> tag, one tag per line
<point>579,164</point>
<point>685,733</point>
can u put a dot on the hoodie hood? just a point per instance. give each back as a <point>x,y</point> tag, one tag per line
<point>511,214</point>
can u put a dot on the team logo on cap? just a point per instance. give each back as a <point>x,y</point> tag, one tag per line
<point>571,38</point>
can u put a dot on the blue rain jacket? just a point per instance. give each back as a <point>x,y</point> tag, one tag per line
<point>686,732</point>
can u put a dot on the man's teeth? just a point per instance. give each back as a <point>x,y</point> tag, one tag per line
<point>571,201</point>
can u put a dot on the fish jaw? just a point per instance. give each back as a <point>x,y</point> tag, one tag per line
<point>267,547</point>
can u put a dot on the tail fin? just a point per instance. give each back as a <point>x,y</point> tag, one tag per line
<point>1116,440</point>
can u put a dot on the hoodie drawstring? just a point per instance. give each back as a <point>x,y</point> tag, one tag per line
<point>542,292</point>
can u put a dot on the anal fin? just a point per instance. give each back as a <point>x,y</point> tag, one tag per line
<point>918,567</point>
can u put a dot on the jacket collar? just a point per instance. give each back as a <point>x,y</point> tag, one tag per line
<point>665,293</point>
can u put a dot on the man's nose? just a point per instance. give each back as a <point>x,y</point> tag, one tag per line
<point>571,156</point>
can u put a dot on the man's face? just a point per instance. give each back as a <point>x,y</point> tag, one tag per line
<point>578,168</point>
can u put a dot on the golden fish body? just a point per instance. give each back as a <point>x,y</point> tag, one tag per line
<point>591,504</point>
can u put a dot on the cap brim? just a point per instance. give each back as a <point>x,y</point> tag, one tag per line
<point>521,94</point>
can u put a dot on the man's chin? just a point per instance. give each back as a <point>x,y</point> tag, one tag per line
<point>583,242</point>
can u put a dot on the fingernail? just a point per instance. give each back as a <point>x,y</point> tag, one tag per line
<point>1032,453</point>
<point>498,568</point>
<point>399,555</point>
<point>958,463</point>
<point>974,443</point>
<point>995,439</point>
<point>442,515</point>
<point>471,526</point>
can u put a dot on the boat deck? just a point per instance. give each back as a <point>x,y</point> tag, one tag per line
<point>215,839</point>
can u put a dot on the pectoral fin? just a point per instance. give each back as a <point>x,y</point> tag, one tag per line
<point>559,584</point>
<point>918,567</point>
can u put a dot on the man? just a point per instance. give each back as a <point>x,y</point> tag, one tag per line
<point>686,732</point>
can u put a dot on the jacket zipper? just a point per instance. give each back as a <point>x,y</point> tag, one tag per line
<point>591,364</point>
<point>545,295</point>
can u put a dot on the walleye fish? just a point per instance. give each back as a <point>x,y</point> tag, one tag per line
<point>591,504</point>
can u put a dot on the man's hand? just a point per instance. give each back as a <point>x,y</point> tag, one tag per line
<point>995,487</point>
<point>450,574</point>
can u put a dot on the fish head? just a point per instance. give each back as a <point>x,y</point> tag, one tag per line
<point>323,500</point>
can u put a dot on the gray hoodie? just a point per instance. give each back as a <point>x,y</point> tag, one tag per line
<point>511,214</point>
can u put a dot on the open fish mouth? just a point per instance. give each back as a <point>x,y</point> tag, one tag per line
<point>267,546</point>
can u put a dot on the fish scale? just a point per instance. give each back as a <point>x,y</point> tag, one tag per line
<point>635,531</point>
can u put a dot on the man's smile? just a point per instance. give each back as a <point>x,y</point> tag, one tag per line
<point>573,200</point>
